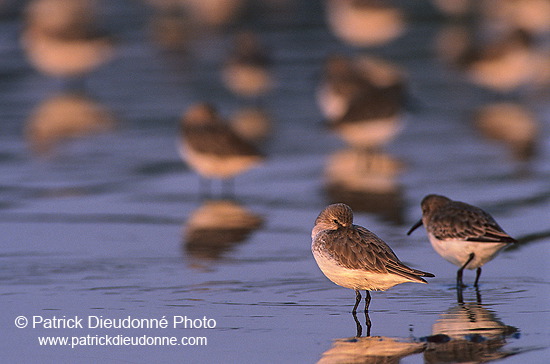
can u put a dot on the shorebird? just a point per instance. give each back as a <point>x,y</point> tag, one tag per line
<point>364,23</point>
<point>512,124</point>
<point>353,257</point>
<point>247,70</point>
<point>363,100</point>
<point>503,62</point>
<point>462,234</point>
<point>61,37</point>
<point>211,147</point>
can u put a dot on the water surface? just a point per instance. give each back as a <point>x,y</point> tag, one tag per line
<point>103,225</point>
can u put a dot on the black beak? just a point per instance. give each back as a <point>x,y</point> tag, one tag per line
<point>413,228</point>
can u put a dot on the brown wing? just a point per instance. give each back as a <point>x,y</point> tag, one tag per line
<point>462,221</point>
<point>217,139</point>
<point>358,248</point>
<point>374,103</point>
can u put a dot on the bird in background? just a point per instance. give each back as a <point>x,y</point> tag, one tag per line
<point>363,100</point>
<point>462,234</point>
<point>353,257</point>
<point>212,148</point>
<point>62,38</point>
<point>247,71</point>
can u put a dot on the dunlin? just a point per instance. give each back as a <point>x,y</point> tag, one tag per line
<point>502,62</point>
<point>363,99</point>
<point>353,257</point>
<point>61,37</point>
<point>463,234</point>
<point>364,23</point>
<point>247,70</point>
<point>211,147</point>
<point>513,125</point>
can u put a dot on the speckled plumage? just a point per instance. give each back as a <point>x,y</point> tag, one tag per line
<point>211,147</point>
<point>448,219</point>
<point>463,234</point>
<point>353,257</point>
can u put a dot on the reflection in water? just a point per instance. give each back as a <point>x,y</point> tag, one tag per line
<point>467,332</point>
<point>359,326</point>
<point>511,124</point>
<point>216,227</point>
<point>375,349</point>
<point>367,181</point>
<point>251,123</point>
<point>365,22</point>
<point>65,116</point>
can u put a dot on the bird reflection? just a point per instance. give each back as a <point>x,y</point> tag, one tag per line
<point>367,181</point>
<point>359,327</point>
<point>364,23</point>
<point>370,349</point>
<point>65,116</point>
<point>252,123</point>
<point>215,228</point>
<point>467,332</point>
<point>512,124</point>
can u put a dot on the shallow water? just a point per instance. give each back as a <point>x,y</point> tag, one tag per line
<point>102,226</point>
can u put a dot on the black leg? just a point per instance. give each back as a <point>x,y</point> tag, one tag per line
<point>357,300</point>
<point>368,323</point>
<point>459,272</point>
<point>357,325</point>
<point>478,273</point>
<point>367,301</point>
<point>478,295</point>
<point>459,297</point>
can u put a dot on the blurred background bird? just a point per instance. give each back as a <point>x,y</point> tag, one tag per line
<point>212,148</point>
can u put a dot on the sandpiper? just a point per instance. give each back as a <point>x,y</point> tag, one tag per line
<point>353,257</point>
<point>61,38</point>
<point>363,99</point>
<point>247,70</point>
<point>211,147</point>
<point>364,23</point>
<point>463,234</point>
